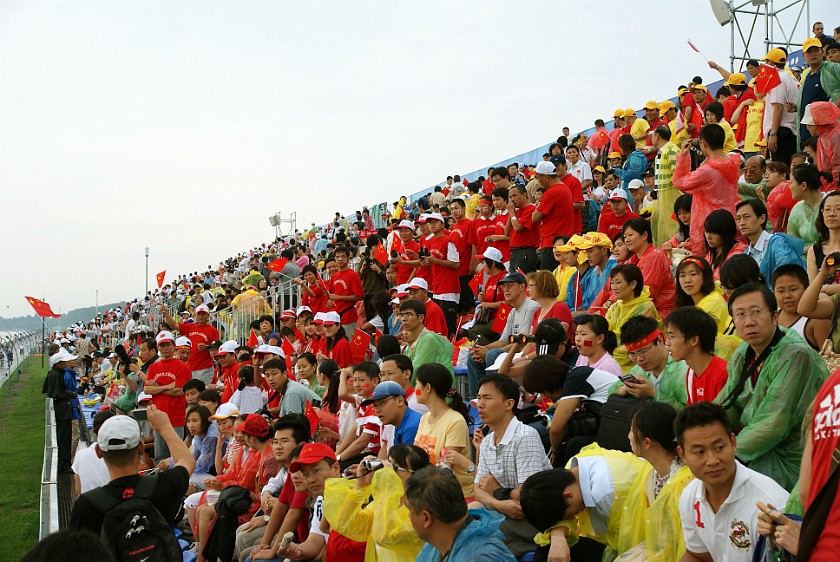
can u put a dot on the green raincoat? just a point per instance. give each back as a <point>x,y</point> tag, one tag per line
<point>770,414</point>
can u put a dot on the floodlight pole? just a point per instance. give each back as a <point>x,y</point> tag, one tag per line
<point>773,27</point>
<point>147,270</point>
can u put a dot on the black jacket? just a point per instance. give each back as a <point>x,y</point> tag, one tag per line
<point>55,388</point>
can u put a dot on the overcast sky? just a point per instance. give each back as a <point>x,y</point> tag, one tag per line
<point>182,125</point>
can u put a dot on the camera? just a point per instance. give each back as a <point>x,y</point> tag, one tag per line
<point>139,414</point>
<point>371,464</point>
<point>833,259</point>
<point>521,338</point>
<point>394,254</point>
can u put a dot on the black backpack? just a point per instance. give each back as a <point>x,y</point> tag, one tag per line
<point>615,422</point>
<point>134,529</point>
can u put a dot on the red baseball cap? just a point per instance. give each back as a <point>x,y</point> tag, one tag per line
<point>255,425</point>
<point>312,453</point>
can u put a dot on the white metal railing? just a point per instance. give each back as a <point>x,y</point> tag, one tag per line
<point>234,322</point>
<point>49,476</point>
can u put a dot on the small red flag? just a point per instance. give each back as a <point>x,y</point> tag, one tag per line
<point>289,351</point>
<point>359,346</point>
<point>277,265</point>
<point>767,78</point>
<point>252,342</point>
<point>160,277</point>
<point>312,416</point>
<point>42,309</point>
<point>501,318</point>
<point>476,281</point>
<point>380,254</point>
<point>696,50</point>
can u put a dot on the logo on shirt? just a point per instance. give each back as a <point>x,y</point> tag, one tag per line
<point>739,535</point>
<point>827,416</point>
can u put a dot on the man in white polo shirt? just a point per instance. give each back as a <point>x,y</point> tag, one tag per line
<point>718,510</point>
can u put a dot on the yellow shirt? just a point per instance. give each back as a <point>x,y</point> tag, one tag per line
<point>755,115</point>
<point>562,274</point>
<point>729,142</point>
<point>640,127</point>
<point>677,138</point>
<point>449,432</point>
<point>472,205</point>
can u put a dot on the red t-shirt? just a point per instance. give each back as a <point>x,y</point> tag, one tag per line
<point>556,206</point>
<point>370,424</point>
<point>404,271</point>
<point>610,224</point>
<point>435,320</point>
<point>165,372</point>
<point>483,227</point>
<point>342,549</point>
<point>463,236</point>
<point>825,433</point>
<point>318,303</point>
<point>346,283</point>
<point>199,333</point>
<point>558,310</point>
<point>576,189</point>
<point>230,380</point>
<point>295,500</point>
<point>502,220</point>
<point>444,279</point>
<point>529,236</point>
<point>707,386</point>
<point>340,352</point>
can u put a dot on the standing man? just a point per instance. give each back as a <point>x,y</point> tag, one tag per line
<point>554,213</point>
<point>165,383</point>
<point>780,124</point>
<point>463,235</point>
<point>662,222</point>
<point>345,291</point>
<point>200,333</point>
<point>820,82</point>
<point>444,261</point>
<point>524,234</point>
<point>54,388</point>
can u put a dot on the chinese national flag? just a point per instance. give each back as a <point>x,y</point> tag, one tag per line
<point>289,352</point>
<point>160,276</point>
<point>501,318</point>
<point>42,309</point>
<point>600,139</point>
<point>476,281</point>
<point>767,79</point>
<point>277,265</point>
<point>359,346</point>
<point>252,342</point>
<point>380,254</point>
<point>456,349</point>
<point>312,416</point>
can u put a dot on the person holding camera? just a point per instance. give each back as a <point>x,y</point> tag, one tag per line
<point>372,274</point>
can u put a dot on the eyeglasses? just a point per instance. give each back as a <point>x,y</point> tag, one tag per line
<point>632,355</point>
<point>307,474</point>
<point>407,314</point>
<point>754,313</point>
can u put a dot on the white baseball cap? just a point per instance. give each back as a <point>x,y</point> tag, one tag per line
<point>164,337</point>
<point>435,217</point>
<point>118,433</point>
<point>225,411</point>
<point>635,184</point>
<point>417,283</point>
<point>618,194</point>
<point>62,355</point>
<point>228,347</point>
<point>183,341</point>
<point>492,253</point>
<point>202,308</point>
<point>546,168</point>
<point>406,224</point>
<point>331,318</point>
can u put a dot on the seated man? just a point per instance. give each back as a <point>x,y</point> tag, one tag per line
<point>770,251</point>
<point>399,422</point>
<point>773,378</point>
<point>439,516</point>
<point>718,510</point>
<point>518,322</point>
<point>655,373</point>
<point>691,338</point>
<point>424,346</point>
<point>418,290</point>
<point>510,453</point>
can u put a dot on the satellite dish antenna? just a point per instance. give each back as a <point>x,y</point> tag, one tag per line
<point>721,10</point>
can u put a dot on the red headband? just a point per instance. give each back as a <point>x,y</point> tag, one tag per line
<point>695,261</point>
<point>648,339</point>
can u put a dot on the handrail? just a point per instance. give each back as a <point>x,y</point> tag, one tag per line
<point>49,522</point>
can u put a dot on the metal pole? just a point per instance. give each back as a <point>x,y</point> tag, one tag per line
<point>147,270</point>
<point>43,339</point>
<point>97,302</point>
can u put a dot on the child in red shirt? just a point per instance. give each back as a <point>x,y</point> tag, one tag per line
<point>691,336</point>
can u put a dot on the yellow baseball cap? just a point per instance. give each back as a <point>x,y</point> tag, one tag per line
<point>618,113</point>
<point>593,239</point>
<point>682,91</point>
<point>811,42</point>
<point>737,79</point>
<point>599,169</point>
<point>776,56</point>
<point>666,105</point>
<point>613,155</point>
<point>572,245</point>
<point>629,111</point>
<point>762,142</point>
<point>651,105</point>
<point>699,87</point>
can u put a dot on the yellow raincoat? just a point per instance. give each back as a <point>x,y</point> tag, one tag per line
<point>659,524</point>
<point>621,312</point>
<point>383,523</point>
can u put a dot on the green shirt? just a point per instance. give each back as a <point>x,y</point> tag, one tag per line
<point>430,348</point>
<point>670,385</point>
<point>801,223</point>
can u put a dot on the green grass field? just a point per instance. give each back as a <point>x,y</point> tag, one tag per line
<point>21,459</point>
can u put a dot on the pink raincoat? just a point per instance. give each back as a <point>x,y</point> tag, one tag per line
<point>825,115</point>
<point>714,185</point>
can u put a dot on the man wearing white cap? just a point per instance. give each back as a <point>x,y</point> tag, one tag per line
<point>55,388</point>
<point>200,333</point>
<point>165,383</point>
<point>407,251</point>
<point>613,217</point>
<point>554,213</point>
<point>435,320</point>
<point>444,260</point>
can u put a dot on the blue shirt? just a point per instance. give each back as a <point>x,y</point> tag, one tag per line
<point>407,431</point>
<point>811,91</point>
<point>70,383</point>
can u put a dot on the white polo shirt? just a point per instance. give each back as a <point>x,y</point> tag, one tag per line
<point>728,535</point>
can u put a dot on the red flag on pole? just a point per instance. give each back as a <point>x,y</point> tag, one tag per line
<point>160,277</point>
<point>289,352</point>
<point>312,416</point>
<point>380,254</point>
<point>690,44</point>
<point>501,318</point>
<point>277,265</point>
<point>359,346</point>
<point>252,342</point>
<point>767,78</point>
<point>42,309</point>
<point>476,281</point>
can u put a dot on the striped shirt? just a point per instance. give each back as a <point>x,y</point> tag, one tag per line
<point>518,455</point>
<point>666,161</point>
